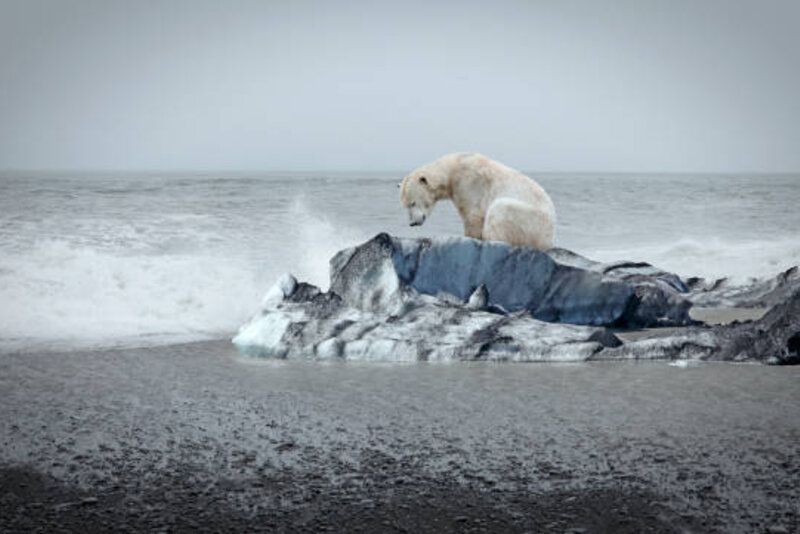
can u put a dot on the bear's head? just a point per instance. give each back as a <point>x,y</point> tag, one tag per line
<point>417,196</point>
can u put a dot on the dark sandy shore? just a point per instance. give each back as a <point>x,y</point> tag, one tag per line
<point>192,437</point>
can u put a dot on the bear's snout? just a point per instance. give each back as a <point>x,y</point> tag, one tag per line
<point>416,216</point>
<point>416,220</point>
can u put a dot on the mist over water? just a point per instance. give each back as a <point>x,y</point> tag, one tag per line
<point>130,259</point>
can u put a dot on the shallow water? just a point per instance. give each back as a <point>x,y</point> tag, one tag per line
<point>126,260</point>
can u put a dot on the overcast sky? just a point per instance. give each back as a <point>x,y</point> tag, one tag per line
<point>541,85</point>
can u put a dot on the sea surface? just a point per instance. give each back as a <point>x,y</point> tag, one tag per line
<point>116,260</point>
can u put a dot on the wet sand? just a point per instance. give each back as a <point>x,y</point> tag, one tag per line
<point>192,436</point>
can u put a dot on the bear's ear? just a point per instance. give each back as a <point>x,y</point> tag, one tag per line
<point>423,180</point>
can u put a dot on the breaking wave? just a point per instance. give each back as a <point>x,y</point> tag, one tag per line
<point>60,293</point>
<point>713,258</point>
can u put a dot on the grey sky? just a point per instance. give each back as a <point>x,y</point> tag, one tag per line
<point>550,86</point>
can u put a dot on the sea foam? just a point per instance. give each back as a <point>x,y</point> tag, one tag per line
<point>62,293</point>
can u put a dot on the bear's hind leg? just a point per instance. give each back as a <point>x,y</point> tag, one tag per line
<point>519,224</point>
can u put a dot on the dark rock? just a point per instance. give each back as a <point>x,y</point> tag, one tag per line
<point>449,299</point>
<point>555,286</point>
<point>775,338</point>
<point>464,299</point>
<point>304,292</point>
<point>755,294</point>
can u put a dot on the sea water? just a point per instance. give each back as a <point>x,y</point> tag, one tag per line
<point>106,260</point>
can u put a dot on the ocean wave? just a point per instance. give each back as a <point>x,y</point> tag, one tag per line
<point>58,294</point>
<point>62,293</point>
<point>712,258</point>
<point>318,238</point>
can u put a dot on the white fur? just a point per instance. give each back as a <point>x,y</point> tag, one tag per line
<point>496,202</point>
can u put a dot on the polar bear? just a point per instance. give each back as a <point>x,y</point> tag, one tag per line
<point>495,202</point>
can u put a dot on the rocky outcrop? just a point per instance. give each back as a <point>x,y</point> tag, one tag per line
<point>755,294</point>
<point>775,338</point>
<point>556,286</point>
<point>462,299</point>
<point>305,322</point>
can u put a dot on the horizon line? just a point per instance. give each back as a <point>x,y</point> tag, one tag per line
<point>97,170</point>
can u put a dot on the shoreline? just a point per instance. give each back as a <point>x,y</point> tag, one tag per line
<point>192,436</point>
